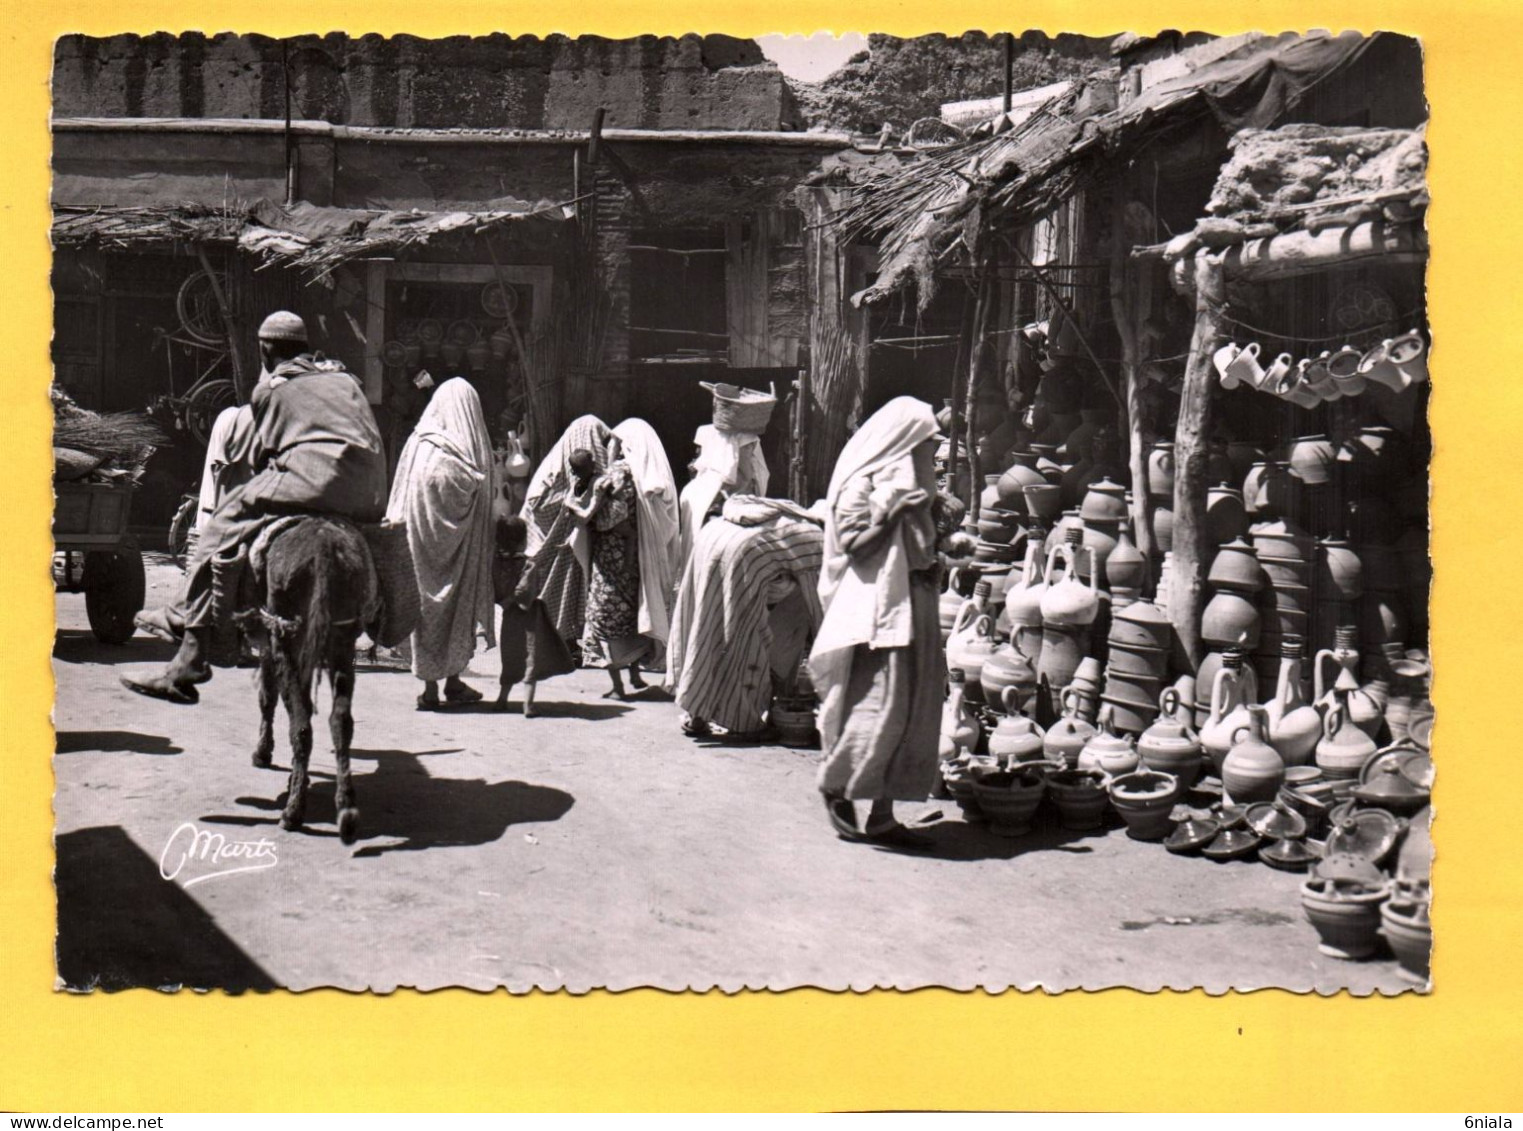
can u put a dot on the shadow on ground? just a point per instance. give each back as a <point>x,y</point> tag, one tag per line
<point>114,742</point>
<point>121,925</point>
<point>79,646</point>
<point>400,801</point>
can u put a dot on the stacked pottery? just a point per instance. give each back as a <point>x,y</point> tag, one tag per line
<point>1160,487</point>
<point>1137,664</point>
<point>1253,770</point>
<point>1231,618</point>
<point>1382,607</point>
<point>1170,746</point>
<point>1069,608</point>
<point>1085,686</point>
<point>1065,739</point>
<point>1080,796</point>
<point>1233,691</point>
<point>1295,725</point>
<point>1226,516</point>
<point>1023,604</point>
<point>1284,551</point>
<point>1102,513</point>
<point>966,652</point>
<point>1021,473</point>
<point>1126,570</point>
<point>1405,925</point>
<point>1337,582</point>
<point>1346,914</point>
<point>1009,796</point>
<point>1344,748</point>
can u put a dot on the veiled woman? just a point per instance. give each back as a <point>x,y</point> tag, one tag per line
<point>877,662</point>
<point>559,551</point>
<point>443,493</point>
<point>657,526</point>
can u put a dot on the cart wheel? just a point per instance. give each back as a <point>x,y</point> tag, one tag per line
<point>115,587</point>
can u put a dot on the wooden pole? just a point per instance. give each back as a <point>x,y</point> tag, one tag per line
<point>1124,301</point>
<point>1192,548</point>
<point>975,358</point>
<point>953,425</point>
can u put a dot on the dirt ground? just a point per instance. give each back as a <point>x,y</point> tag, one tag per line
<point>595,846</point>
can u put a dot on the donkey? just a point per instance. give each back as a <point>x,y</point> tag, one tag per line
<point>319,588</point>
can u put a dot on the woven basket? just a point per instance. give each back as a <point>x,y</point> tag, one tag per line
<point>740,410</point>
<point>397,580</point>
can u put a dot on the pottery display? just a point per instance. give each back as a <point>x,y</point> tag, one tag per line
<point>1344,748</point>
<point>1080,796</point>
<point>1007,678</point>
<point>1065,739</point>
<point>1404,923</point>
<point>1015,738</point>
<point>1135,659</point>
<point>1364,706</point>
<point>1226,517</point>
<point>1099,539</point>
<point>1346,915</point>
<point>1163,528</point>
<point>1290,854</point>
<point>1107,751</point>
<point>1170,745</point>
<point>1021,473</point>
<point>1023,605</point>
<point>1295,726</point>
<point>1230,621</point>
<point>1205,682</point>
<point>1067,601</point>
<point>1141,625</point>
<point>1232,843</point>
<point>1144,799</point>
<point>1104,502</point>
<point>1252,769</point>
<point>1390,789</point>
<point>1043,500</point>
<point>1126,570</point>
<point>1009,797</point>
<point>1311,459</point>
<point>1235,567</point>
<point>1231,695</point>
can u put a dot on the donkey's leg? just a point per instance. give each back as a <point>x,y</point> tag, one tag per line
<point>296,693</point>
<point>341,724</point>
<point>269,694</point>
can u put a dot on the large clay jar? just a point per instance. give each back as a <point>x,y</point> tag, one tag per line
<point>1226,517</point>
<point>1161,470</point>
<point>1170,746</point>
<point>1021,474</point>
<point>1080,796</point>
<point>1015,738</point>
<point>1108,752</point>
<point>1311,459</point>
<point>1064,648</point>
<point>1281,541</point>
<point>1338,576</point>
<point>1142,625</point>
<point>1007,676</point>
<point>1126,570</point>
<point>1100,539</point>
<point>1144,799</point>
<point>1163,529</point>
<point>989,499</point>
<point>1231,694</point>
<point>1346,915</point>
<point>1023,605</point>
<point>1252,770</point>
<point>1047,463</point>
<point>1344,748</point>
<point>1068,601</point>
<point>959,727</point>
<point>968,655</point>
<point>1104,502</point>
<point>1065,739</point>
<point>1230,621</point>
<point>1365,710</point>
<point>1295,726</point>
<point>1236,568</point>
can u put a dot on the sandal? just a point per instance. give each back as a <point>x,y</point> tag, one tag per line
<point>843,817</point>
<point>465,693</point>
<point>697,728</point>
<point>157,687</point>
<point>428,703</point>
<point>897,836</point>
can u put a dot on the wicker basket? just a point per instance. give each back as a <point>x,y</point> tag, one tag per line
<point>740,410</point>
<point>397,580</point>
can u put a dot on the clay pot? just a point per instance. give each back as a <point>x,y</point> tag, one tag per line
<point>795,725</point>
<point>1339,575</point>
<point>1058,535</point>
<point>1135,659</point>
<point>1021,473</point>
<point>1236,568</point>
<point>1170,746</point>
<point>1068,601</point>
<point>998,527</point>
<point>1282,540</point>
<point>1134,687</point>
<point>1161,470</point>
<point>1404,922</point>
<point>1144,799</point>
<point>989,497</point>
<point>1226,517</point>
<point>959,728</point>
<point>1065,740</point>
<point>1129,716</point>
<point>1009,798</point>
<point>1233,689</point>
<point>1163,529</point>
<point>1080,796</point>
<point>1311,459</point>
<point>1100,539</point>
<point>1008,680</point>
<point>1104,502</point>
<point>1107,751</point>
<point>1125,567</point>
<point>1063,650</point>
<point>1286,571</point>
<point>1230,621</point>
<point>1049,466</point>
<point>1043,500</point>
<point>1016,738</point>
<point>1344,748</point>
<point>1295,726</point>
<point>1141,625</point>
<point>968,654</point>
<point>1346,915</point>
<point>1252,770</point>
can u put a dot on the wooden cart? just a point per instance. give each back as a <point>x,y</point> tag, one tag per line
<point>99,557</point>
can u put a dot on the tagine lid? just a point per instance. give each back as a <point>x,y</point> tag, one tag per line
<point>1276,820</point>
<point>1346,867</point>
<point>1415,766</point>
<point>1389,786</point>
<point>1194,832</point>
<point>1368,833</point>
<point>1231,844</point>
<point>1291,854</point>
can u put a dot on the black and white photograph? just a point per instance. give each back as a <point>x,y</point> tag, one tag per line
<point>840,511</point>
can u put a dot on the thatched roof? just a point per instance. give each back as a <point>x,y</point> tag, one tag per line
<point>302,235</point>
<point>918,214</point>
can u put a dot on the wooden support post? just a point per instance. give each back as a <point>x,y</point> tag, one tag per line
<point>1192,548</point>
<point>1128,319</point>
<point>954,425</point>
<point>981,310</point>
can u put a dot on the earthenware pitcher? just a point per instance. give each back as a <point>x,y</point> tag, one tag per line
<point>1253,770</point>
<point>1068,601</point>
<point>1170,745</point>
<point>1229,708</point>
<point>1344,748</point>
<point>1295,725</point>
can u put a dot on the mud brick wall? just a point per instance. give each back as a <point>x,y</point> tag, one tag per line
<point>497,81</point>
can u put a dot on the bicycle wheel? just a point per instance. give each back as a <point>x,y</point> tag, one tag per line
<point>205,404</point>
<point>196,304</point>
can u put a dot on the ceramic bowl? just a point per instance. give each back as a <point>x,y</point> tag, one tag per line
<point>1346,914</point>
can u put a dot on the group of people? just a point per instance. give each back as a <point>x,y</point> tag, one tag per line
<point>729,594</point>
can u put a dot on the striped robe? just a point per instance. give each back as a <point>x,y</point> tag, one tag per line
<point>720,652</point>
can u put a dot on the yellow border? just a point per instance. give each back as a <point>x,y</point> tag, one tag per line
<point>1457,1050</point>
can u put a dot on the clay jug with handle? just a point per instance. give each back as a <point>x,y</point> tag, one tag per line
<point>1023,605</point>
<point>1068,601</point>
<point>1295,726</point>
<point>1344,748</point>
<point>1229,708</point>
<point>1364,709</point>
<point>1252,770</point>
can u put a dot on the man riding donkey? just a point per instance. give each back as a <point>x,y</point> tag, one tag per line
<point>313,447</point>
